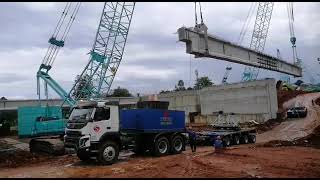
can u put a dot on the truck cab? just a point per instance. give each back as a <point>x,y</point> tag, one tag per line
<point>90,122</point>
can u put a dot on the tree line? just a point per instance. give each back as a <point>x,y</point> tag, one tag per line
<point>85,86</point>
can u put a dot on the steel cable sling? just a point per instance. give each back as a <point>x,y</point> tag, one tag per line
<point>64,27</point>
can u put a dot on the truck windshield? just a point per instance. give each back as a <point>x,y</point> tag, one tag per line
<point>80,115</point>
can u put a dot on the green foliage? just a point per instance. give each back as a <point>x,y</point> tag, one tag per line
<point>9,117</point>
<point>120,92</point>
<point>164,91</point>
<point>203,82</point>
<point>180,86</point>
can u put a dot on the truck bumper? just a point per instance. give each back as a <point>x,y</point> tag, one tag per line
<point>81,142</point>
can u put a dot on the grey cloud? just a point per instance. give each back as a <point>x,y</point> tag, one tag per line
<point>8,78</point>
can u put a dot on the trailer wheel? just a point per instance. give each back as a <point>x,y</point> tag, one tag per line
<point>177,144</point>
<point>108,153</point>
<point>236,140</point>
<point>162,146</point>
<point>83,155</point>
<point>244,139</point>
<point>226,141</point>
<point>252,138</point>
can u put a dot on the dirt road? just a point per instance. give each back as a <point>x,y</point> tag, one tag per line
<point>297,127</point>
<point>240,161</point>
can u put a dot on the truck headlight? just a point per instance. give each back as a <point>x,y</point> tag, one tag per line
<point>84,142</point>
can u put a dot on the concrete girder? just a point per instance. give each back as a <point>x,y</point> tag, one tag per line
<point>227,51</point>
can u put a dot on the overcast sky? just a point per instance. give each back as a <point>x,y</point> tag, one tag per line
<point>153,59</point>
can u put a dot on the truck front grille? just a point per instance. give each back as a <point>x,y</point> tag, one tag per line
<point>73,133</point>
<point>72,138</point>
<point>75,125</point>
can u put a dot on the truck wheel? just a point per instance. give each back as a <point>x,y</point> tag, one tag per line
<point>108,153</point>
<point>244,139</point>
<point>226,141</point>
<point>162,146</point>
<point>236,140</point>
<point>252,138</point>
<point>83,155</point>
<point>177,144</point>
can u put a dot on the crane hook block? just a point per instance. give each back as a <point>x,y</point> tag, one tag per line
<point>293,40</point>
<point>97,57</point>
<point>54,41</point>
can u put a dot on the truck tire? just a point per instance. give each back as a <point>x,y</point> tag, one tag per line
<point>236,140</point>
<point>244,139</point>
<point>162,146</point>
<point>252,138</point>
<point>226,141</point>
<point>177,144</point>
<point>108,153</point>
<point>83,155</point>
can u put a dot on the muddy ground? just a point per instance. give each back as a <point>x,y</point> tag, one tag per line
<point>238,161</point>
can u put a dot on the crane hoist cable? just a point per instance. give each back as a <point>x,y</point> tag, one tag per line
<point>61,31</point>
<point>196,14</point>
<point>247,22</point>
<point>200,12</point>
<point>201,28</point>
<point>56,31</point>
<point>293,39</point>
<point>242,34</point>
<point>62,17</point>
<point>65,33</point>
<point>56,41</point>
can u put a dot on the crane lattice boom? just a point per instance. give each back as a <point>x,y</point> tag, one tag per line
<point>259,36</point>
<point>107,50</point>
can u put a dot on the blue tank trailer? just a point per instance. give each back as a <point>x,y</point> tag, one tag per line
<point>153,128</point>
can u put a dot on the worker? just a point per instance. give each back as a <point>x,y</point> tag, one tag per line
<point>192,139</point>
<point>218,145</point>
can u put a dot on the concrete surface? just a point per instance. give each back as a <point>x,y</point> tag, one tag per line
<point>255,100</point>
<point>227,51</point>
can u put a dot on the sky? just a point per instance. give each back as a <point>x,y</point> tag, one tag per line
<point>153,59</point>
